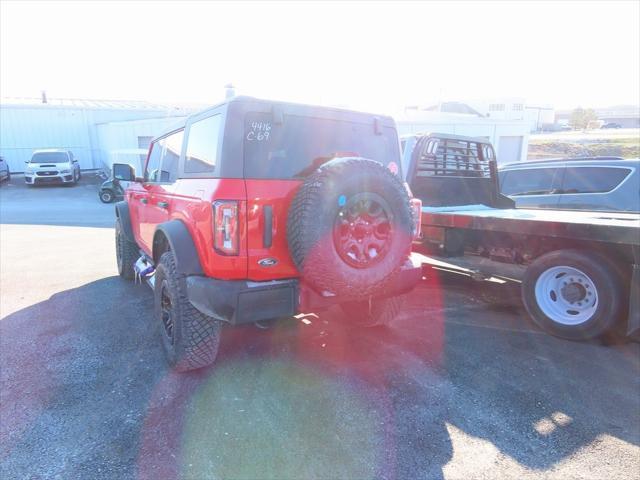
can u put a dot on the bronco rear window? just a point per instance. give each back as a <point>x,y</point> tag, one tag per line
<point>299,144</point>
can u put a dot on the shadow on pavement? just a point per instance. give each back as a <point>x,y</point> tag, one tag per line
<point>85,393</point>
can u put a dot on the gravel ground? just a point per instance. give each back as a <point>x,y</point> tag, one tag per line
<point>454,389</point>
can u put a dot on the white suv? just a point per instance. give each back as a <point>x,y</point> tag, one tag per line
<point>52,166</point>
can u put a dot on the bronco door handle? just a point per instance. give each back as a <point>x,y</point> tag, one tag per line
<point>163,204</point>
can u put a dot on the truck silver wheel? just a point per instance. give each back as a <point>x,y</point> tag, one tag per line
<point>574,294</point>
<point>566,295</point>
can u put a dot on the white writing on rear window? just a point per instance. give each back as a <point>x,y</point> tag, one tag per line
<point>259,131</point>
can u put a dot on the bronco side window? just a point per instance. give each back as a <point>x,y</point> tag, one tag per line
<point>152,170</point>
<point>171,149</point>
<point>202,145</point>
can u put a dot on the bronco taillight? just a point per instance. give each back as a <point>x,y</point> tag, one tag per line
<point>416,213</point>
<point>225,227</point>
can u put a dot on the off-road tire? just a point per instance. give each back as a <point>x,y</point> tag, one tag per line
<point>196,337</point>
<point>607,281</point>
<point>312,217</point>
<point>127,252</point>
<point>375,313</point>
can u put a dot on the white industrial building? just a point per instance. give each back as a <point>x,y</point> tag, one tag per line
<point>96,131</point>
<point>128,141</point>
<point>538,116</point>
<point>101,132</point>
<point>510,137</point>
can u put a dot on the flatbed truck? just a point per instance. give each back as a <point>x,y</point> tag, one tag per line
<point>579,270</point>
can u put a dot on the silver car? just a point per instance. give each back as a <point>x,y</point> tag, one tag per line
<point>596,184</point>
<point>52,166</point>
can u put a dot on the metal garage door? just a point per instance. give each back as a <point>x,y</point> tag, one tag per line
<point>509,149</point>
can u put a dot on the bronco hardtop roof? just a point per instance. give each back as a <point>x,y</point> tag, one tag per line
<point>241,104</point>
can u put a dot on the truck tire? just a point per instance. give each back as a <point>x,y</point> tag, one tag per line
<point>127,253</point>
<point>190,338</point>
<point>349,228</point>
<point>377,312</point>
<point>573,294</point>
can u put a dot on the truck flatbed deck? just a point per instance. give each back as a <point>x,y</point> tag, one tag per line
<point>611,227</point>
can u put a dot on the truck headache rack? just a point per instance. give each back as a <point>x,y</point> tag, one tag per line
<point>451,170</point>
<point>454,158</point>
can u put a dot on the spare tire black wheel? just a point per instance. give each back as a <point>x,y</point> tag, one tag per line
<point>350,228</point>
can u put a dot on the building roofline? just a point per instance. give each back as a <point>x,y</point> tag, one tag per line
<point>89,104</point>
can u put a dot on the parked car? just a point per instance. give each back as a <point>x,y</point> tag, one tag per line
<point>611,125</point>
<point>5,174</point>
<point>269,209</point>
<point>52,165</point>
<point>591,183</point>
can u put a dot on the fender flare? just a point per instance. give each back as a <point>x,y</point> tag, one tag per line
<point>182,246</point>
<point>122,212</point>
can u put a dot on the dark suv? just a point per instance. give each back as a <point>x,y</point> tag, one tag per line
<point>592,183</point>
<point>254,210</point>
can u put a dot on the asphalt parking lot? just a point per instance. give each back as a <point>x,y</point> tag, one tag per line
<point>455,388</point>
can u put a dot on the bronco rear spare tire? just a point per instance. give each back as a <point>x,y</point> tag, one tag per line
<point>350,228</point>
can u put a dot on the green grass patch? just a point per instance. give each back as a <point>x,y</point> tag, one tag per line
<point>619,147</point>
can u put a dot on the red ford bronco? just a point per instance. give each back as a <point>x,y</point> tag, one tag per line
<point>255,210</point>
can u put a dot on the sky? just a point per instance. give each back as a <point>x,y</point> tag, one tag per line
<point>375,56</point>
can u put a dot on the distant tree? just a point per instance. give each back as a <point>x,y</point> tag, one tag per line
<point>583,119</point>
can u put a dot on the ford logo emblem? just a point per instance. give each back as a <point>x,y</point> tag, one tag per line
<point>267,262</point>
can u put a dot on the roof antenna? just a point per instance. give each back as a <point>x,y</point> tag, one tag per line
<point>44,96</point>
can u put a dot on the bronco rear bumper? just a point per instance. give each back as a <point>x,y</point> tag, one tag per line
<point>243,301</point>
